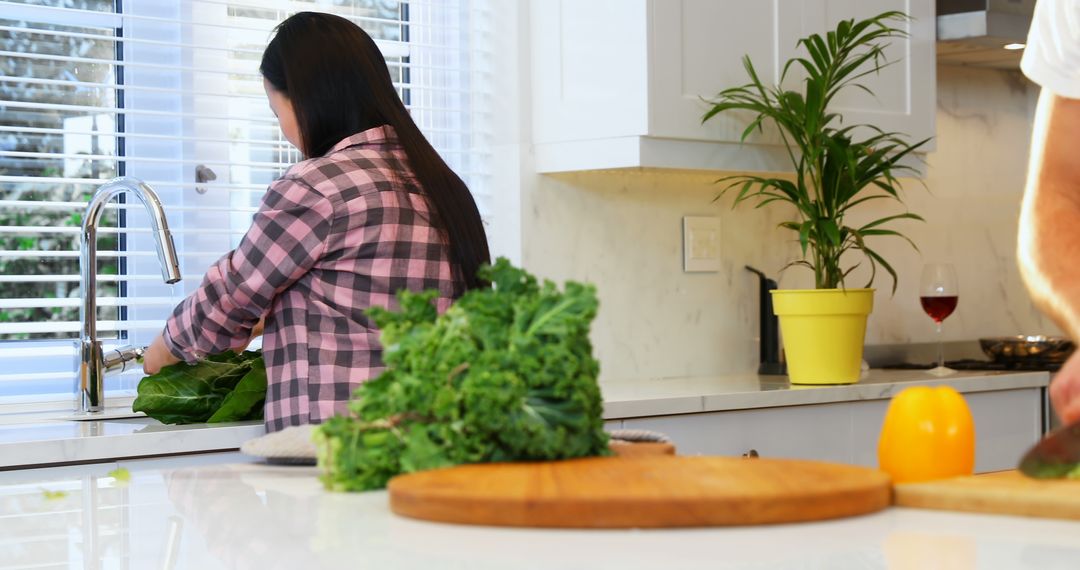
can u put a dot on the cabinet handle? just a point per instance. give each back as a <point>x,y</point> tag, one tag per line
<point>752,454</point>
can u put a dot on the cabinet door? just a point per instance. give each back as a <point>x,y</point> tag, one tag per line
<point>820,432</point>
<point>698,45</point>
<point>1007,422</point>
<point>696,51</point>
<point>716,433</point>
<point>905,92</point>
<point>588,69</point>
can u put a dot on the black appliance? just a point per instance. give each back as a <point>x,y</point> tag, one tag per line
<point>769,353</point>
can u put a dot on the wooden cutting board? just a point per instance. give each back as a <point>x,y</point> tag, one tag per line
<point>643,491</point>
<point>1004,492</point>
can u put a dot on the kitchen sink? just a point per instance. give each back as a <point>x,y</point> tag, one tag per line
<point>110,414</point>
<point>54,416</point>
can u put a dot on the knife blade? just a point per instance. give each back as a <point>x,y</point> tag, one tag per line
<point>1055,456</point>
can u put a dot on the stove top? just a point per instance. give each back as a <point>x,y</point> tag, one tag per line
<point>972,364</point>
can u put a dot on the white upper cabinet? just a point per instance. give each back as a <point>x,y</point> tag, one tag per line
<point>619,83</point>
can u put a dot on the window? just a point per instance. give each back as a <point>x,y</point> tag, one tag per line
<point>169,92</point>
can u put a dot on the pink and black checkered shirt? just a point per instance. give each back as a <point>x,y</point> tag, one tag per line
<point>332,237</point>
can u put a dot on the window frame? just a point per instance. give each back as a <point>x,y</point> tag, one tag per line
<point>129,104</point>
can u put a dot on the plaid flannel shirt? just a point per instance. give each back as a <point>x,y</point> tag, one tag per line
<point>335,235</point>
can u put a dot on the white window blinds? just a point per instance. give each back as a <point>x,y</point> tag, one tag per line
<point>169,92</point>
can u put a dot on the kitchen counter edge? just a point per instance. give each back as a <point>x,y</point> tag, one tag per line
<point>688,395</point>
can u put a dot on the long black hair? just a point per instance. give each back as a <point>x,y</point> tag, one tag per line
<point>338,83</point>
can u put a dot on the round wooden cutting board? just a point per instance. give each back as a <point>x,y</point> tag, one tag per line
<point>640,492</point>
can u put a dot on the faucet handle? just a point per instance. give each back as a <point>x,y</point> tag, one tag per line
<point>120,359</point>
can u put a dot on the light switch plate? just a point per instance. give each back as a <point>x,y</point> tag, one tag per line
<point>701,244</point>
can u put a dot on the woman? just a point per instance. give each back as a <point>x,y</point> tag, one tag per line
<point>372,210</point>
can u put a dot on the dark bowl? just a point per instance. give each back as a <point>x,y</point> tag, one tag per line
<point>1021,348</point>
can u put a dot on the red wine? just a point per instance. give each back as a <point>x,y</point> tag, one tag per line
<point>938,307</point>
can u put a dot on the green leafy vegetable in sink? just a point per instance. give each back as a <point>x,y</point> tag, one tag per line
<point>506,374</point>
<point>225,387</point>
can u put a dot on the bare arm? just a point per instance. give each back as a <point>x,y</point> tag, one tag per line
<point>1049,240</point>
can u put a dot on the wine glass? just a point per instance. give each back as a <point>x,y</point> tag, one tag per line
<point>938,295</point>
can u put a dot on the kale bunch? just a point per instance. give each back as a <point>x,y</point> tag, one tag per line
<point>506,374</point>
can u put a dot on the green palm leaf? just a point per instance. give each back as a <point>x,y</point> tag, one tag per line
<point>837,166</point>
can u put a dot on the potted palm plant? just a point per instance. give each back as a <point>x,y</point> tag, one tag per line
<point>836,167</point>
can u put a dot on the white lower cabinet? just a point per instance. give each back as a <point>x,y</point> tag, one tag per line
<point>1007,422</point>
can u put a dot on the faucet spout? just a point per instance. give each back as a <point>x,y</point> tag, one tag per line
<point>92,366</point>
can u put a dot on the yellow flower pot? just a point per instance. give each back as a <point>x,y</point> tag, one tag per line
<point>823,332</point>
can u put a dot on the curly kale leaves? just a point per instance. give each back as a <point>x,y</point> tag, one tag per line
<point>226,387</point>
<point>506,374</point>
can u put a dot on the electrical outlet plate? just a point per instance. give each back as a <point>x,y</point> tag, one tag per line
<point>701,244</point>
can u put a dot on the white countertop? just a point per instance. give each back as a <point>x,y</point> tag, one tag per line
<point>261,517</point>
<point>38,441</point>
<point>665,396</point>
<point>45,442</point>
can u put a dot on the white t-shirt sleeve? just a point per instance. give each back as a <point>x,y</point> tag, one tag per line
<point>1052,56</point>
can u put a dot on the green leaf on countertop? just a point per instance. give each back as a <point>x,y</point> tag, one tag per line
<point>184,393</point>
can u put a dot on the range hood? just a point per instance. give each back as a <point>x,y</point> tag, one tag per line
<point>975,32</point>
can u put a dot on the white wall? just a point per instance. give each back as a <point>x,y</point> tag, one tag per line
<point>622,231</point>
<point>971,204</point>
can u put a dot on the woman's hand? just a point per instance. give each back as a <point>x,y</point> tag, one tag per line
<point>256,332</point>
<point>1065,390</point>
<point>157,355</point>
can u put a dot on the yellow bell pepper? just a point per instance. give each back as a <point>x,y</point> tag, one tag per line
<point>928,433</point>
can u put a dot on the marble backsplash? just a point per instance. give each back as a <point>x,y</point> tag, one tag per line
<point>622,231</point>
<point>971,202</point>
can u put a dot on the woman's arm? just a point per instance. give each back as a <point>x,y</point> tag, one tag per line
<point>287,237</point>
<point>1049,240</point>
<point>157,354</point>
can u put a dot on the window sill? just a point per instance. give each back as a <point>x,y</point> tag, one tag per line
<point>29,409</point>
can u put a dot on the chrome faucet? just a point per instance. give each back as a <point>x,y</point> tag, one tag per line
<point>93,363</point>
